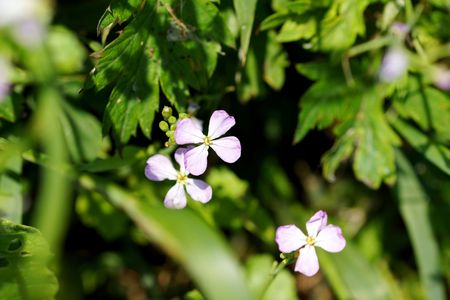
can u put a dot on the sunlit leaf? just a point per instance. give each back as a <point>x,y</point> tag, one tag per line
<point>245,12</point>
<point>11,200</point>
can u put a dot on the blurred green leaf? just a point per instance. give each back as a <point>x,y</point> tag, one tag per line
<point>67,53</point>
<point>24,255</point>
<point>437,153</point>
<point>11,200</point>
<point>9,107</point>
<point>82,132</point>
<point>413,203</point>
<point>95,211</point>
<point>184,236</point>
<point>266,286</point>
<point>245,12</point>
<point>353,277</point>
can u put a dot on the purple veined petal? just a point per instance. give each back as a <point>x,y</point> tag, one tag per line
<point>330,239</point>
<point>289,238</point>
<point>220,123</point>
<point>188,133</point>
<point>227,148</point>
<point>199,190</point>
<point>159,168</point>
<point>307,262</point>
<point>317,221</point>
<point>196,160</point>
<point>175,197</point>
<point>198,123</point>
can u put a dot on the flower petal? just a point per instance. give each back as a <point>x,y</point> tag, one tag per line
<point>330,239</point>
<point>220,123</point>
<point>228,148</point>
<point>316,222</point>
<point>196,160</point>
<point>187,132</point>
<point>199,190</point>
<point>175,197</point>
<point>180,157</point>
<point>159,168</point>
<point>289,238</point>
<point>307,262</point>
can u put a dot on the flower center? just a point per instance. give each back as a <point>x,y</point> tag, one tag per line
<point>182,178</point>
<point>310,240</point>
<point>207,141</point>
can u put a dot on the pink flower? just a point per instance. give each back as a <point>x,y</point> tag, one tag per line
<point>394,65</point>
<point>159,167</point>
<point>328,237</point>
<point>227,148</point>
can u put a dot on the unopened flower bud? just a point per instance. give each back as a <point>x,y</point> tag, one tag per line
<point>169,133</point>
<point>442,79</point>
<point>183,115</point>
<point>172,120</point>
<point>166,112</point>
<point>163,126</point>
<point>173,127</point>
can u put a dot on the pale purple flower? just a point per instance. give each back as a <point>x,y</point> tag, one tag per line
<point>159,168</point>
<point>394,65</point>
<point>328,237</point>
<point>442,79</point>
<point>227,148</point>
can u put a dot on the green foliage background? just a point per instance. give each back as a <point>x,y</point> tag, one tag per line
<point>319,130</point>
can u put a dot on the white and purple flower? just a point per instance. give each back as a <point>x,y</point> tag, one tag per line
<point>328,237</point>
<point>227,148</point>
<point>394,65</point>
<point>159,168</point>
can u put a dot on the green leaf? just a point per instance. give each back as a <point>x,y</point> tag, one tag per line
<point>67,53</point>
<point>95,211</point>
<point>11,200</point>
<point>266,286</point>
<point>428,107</point>
<point>320,106</point>
<point>437,153</point>
<point>23,264</point>
<point>9,107</point>
<point>245,11</point>
<point>353,277</point>
<point>188,239</point>
<point>413,203</point>
<point>169,45</point>
<point>82,132</point>
<point>275,63</point>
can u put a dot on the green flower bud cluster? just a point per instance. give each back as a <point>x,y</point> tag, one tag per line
<point>169,124</point>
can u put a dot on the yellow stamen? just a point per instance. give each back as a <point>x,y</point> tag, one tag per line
<point>182,178</point>
<point>207,141</point>
<point>310,240</point>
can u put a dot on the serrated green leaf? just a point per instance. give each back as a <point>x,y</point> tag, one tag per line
<point>320,106</point>
<point>374,160</point>
<point>24,255</point>
<point>437,153</point>
<point>165,45</point>
<point>413,203</point>
<point>245,12</point>
<point>266,286</point>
